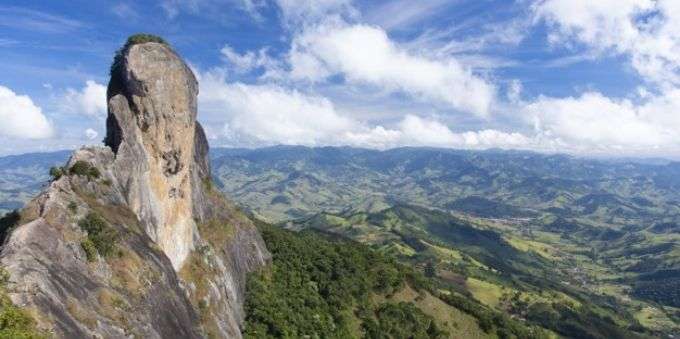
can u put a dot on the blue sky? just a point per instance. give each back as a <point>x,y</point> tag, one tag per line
<point>574,76</point>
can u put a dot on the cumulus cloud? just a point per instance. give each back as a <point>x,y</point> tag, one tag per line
<point>593,121</point>
<point>365,55</point>
<point>646,30</point>
<point>21,118</point>
<point>271,114</point>
<point>90,100</point>
<point>413,130</point>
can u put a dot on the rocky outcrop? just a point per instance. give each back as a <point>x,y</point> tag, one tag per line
<point>152,114</point>
<point>179,253</point>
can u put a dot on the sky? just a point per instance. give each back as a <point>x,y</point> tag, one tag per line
<point>592,78</point>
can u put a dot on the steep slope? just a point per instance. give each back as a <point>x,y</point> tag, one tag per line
<point>130,239</point>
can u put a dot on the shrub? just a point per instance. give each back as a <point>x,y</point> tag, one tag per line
<point>102,236</point>
<point>56,172</point>
<point>73,207</point>
<point>89,248</point>
<point>83,168</point>
<point>93,172</point>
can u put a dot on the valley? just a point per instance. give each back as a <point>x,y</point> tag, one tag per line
<point>578,247</point>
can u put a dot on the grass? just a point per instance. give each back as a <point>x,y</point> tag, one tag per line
<point>457,323</point>
<point>540,248</point>
<point>487,293</point>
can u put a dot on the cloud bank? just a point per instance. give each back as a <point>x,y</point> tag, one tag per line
<point>21,118</point>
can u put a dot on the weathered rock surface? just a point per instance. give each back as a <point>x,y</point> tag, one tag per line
<point>182,252</point>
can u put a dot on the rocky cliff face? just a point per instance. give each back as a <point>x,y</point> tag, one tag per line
<point>152,129</point>
<point>132,240</point>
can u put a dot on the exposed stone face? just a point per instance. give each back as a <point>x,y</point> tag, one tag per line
<point>180,244</point>
<point>153,104</point>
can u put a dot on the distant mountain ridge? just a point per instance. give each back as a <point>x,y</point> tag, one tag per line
<point>529,174</point>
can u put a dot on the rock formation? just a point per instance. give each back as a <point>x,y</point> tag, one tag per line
<point>131,239</point>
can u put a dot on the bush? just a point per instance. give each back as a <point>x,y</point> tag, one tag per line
<point>56,172</point>
<point>83,168</point>
<point>90,249</point>
<point>99,233</point>
<point>73,207</point>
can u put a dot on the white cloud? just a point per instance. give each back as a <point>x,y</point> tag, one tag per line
<point>593,122</point>
<point>365,55</point>
<point>250,60</point>
<point>91,134</point>
<point>271,114</point>
<point>90,100</point>
<point>646,30</point>
<point>417,131</point>
<point>21,118</point>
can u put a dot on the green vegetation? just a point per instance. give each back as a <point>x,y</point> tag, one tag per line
<point>584,243</point>
<point>132,40</point>
<point>83,168</point>
<point>474,261</point>
<point>15,322</point>
<point>402,320</point>
<point>315,284</point>
<point>101,237</point>
<point>600,236</point>
<point>72,207</point>
<point>323,286</point>
<point>80,167</point>
<point>56,172</point>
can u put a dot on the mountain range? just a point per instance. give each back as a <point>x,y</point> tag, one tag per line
<point>581,247</point>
